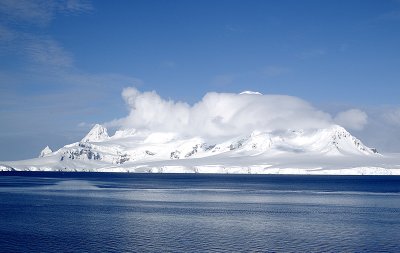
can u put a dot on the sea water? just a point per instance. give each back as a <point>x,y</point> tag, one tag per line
<point>107,212</point>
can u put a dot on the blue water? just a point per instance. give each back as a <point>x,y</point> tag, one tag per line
<point>96,212</point>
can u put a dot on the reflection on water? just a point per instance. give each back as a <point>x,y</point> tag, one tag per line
<point>198,213</point>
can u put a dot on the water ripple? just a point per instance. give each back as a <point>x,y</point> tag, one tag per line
<point>77,215</point>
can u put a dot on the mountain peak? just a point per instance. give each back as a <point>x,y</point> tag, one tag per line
<point>331,150</point>
<point>342,140</point>
<point>47,150</point>
<point>96,134</point>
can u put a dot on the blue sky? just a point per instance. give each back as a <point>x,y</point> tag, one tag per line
<point>64,63</point>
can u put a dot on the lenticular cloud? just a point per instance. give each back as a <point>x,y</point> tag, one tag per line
<point>220,114</point>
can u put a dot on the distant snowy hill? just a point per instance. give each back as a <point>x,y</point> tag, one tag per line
<point>325,151</point>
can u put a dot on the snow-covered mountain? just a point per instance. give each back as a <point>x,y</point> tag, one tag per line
<point>98,133</point>
<point>46,151</point>
<point>325,151</point>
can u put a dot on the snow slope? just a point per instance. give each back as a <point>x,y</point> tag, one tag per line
<point>325,151</point>
<point>46,151</point>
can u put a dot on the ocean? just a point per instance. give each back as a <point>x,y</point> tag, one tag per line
<point>122,212</point>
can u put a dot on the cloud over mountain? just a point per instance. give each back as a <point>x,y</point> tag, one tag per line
<point>352,119</point>
<point>219,114</point>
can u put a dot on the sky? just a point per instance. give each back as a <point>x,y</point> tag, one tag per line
<point>66,65</point>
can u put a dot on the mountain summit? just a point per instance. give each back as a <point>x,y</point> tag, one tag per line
<point>331,150</point>
<point>46,151</point>
<point>96,134</point>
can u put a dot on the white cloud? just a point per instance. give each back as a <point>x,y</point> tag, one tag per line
<point>75,6</point>
<point>40,12</point>
<point>27,43</point>
<point>48,52</point>
<point>219,114</point>
<point>382,130</point>
<point>41,50</point>
<point>353,119</point>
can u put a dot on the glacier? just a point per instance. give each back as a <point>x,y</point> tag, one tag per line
<point>328,151</point>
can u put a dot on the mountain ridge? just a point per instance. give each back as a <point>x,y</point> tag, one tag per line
<point>318,151</point>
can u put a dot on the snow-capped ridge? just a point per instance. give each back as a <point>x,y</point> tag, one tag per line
<point>334,140</point>
<point>46,151</point>
<point>96,134</point>
<point>343,141</point>
<point>309,151</point>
